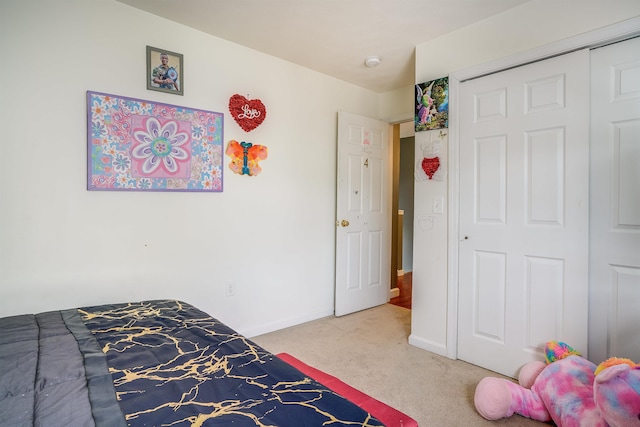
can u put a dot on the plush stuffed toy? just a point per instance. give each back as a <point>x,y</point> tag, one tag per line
<point>568,390</point>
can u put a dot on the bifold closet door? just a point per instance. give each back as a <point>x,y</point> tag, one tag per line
<point>614,324</point>
<point>524,188</point>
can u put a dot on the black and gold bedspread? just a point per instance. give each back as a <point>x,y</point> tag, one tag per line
<point>174,365</point>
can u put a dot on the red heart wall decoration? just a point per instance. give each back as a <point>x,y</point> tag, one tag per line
<point>430,165</point>
<point>248,113</point>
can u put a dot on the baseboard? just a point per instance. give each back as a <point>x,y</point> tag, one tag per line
<point>428,345</point>
<point>286,323</point>
<point>394,292</point>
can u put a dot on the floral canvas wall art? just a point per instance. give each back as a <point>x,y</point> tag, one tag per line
<point>139,145</point>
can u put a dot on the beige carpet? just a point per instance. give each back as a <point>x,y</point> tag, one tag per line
<point>369,350</point>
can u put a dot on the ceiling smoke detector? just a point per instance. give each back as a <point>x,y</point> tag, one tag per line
<point>372,61</point>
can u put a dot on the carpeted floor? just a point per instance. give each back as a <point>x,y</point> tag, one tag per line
<point>369,350</point>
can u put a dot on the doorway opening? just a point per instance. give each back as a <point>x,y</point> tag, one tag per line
<point>402,213</point>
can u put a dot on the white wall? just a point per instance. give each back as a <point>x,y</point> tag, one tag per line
<point>62,246</point>
<point>531,25</point>
<point>397,106</point>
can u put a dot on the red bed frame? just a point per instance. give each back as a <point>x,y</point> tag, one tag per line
<point>389,416</point>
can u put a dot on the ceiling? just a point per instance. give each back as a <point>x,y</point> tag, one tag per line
<point>333,37</point>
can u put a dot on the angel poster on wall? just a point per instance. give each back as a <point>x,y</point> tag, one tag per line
<point>432,105</point>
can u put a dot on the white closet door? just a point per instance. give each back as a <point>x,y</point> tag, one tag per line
<point>523,260</point>
<point>615,202</point>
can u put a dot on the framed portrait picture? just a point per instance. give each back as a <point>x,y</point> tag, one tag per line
<point>165,71</point>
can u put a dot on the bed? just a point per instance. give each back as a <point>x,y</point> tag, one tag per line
<point>153,363</point>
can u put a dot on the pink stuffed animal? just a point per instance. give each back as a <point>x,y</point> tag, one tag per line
<point>569,390</point>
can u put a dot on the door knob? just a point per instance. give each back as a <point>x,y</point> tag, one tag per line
<point>344,223</point>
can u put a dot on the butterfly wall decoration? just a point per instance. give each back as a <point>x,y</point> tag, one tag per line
<point>245,157</point>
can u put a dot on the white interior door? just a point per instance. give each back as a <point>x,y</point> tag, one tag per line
<point>523,256</point>
<point>363,214</point>
<point>614,319</point>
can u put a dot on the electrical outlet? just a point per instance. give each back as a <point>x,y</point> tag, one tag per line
<point>230,289</point>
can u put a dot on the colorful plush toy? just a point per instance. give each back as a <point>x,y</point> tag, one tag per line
<point>568,389</point>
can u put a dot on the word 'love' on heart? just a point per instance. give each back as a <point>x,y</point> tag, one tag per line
<point>248,113</point>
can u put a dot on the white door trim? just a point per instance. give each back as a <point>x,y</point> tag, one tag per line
<point>602,36</point>
<point>612,33</point>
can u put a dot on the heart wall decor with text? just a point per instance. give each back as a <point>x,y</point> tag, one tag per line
<point>248,113</point>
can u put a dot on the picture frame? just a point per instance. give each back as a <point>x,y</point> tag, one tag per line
<point>142,145</point>
<point>165,77</point>
<point>432,105</point>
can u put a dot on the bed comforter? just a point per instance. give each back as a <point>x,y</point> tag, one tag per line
<point>153,363</point>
